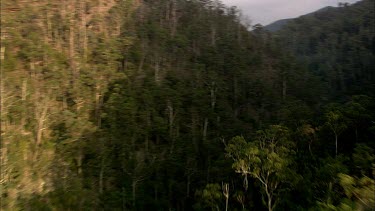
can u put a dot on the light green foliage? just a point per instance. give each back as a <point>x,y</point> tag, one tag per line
<point>267,159</point>
<point>359,192</point>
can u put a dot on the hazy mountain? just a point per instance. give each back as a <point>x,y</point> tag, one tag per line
<point>277,25</point>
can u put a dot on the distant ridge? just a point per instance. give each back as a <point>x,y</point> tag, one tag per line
<point>277,25</point>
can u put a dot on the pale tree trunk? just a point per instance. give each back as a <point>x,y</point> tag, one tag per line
<point>205,128</point>
<point>171,117</point>
<point>225,188</point>
<point>2,91</point>
<point>79,162</point>
<point>72,46</point>
<point>24,95</point>
<point>269,199</point>
<point>98,101</point>
<point>41,107</point>
<point>157,71</point>
<point>41,110</point>
<point>41,118</point>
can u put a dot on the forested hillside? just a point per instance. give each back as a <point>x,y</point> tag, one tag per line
<point>175,105</point>
<point>338,45</point>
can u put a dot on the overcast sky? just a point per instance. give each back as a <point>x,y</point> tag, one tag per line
<point>268,11</point>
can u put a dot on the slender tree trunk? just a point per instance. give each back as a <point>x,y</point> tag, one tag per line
<point>171,115</point>
<point>41,117</point>
<point>269,198</point>
<point>24,95</point>
<point>225,188</point>
<point>213,95</point>
<point>269,202</point>
<point>134,189</point>
<point>72,47</point>
<point>188,186</point>
<point>213,36</point>
<point>205,127</point>
<point>310,148</point>
<point>83,28</point>
<point>284,89</point>
<point>173,17</point>
<point>226,204</point>
<point>157,71</point>
<point>98,101</point>
<point>79,162</point>
<point>141,63</point>
<point>123,199</point>
<point>336,142</point>
<point>101,176</point>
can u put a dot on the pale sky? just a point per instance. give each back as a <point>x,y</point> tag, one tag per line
<point>268,11</point>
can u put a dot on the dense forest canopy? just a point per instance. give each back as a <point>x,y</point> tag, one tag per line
<point>176,105</point>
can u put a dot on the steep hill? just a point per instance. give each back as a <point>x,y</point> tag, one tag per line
<point>337,44</point>
<point>170,105</point>
<point>123,102</point>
